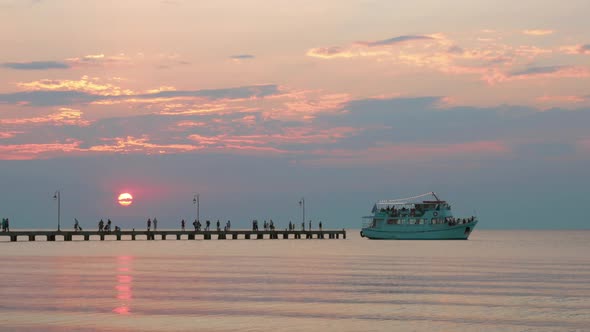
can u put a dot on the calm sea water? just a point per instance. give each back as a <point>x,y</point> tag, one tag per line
<point>498,280</point>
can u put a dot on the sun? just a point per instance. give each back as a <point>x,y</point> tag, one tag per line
<point>125,199</point>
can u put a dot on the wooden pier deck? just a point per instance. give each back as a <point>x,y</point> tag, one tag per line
<point>132,235</point>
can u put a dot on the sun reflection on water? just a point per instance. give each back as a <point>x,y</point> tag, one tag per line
<point>124,285</point>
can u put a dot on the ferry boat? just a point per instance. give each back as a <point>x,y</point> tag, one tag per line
<point>412,219</point>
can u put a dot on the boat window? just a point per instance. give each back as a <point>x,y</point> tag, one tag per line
<point>420,221</point>
<point>412,221</point>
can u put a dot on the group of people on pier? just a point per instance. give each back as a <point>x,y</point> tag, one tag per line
<point>106,227</point>
<point>5,225</point>
<point>102,227</point>
<point>268,226</point>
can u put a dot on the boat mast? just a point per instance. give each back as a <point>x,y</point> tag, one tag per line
<point>434,194</point>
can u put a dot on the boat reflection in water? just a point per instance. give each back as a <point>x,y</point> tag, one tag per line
<point>412,219</point>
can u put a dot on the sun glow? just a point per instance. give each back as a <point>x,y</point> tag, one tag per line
<point>125,199</point>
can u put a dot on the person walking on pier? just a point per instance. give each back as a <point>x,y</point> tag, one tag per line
<point>182,224</point>
<point>100,225</point>
<point>155,224</point>
<point>208,223</point>
<point>149,224</point>
<point>77,227</point>
<point>195,224</point>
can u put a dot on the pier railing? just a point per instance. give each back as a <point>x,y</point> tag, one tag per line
<point>132,235</point>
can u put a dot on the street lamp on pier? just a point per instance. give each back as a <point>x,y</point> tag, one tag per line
<point>196,203</point>
<point>302,204</point>
<point>57,196</point>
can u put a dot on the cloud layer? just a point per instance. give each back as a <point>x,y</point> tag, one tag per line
<point>36,65</point>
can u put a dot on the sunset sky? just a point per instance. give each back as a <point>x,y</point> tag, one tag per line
<point>254,104</point>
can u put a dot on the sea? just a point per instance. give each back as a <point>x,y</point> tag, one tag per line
<point>509,280</point>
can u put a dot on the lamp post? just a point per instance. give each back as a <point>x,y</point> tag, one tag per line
<point>57,196</point>
<point>302,204</point>
<point>196,202</point>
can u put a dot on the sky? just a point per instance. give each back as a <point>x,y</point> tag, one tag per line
<point>256,104</point>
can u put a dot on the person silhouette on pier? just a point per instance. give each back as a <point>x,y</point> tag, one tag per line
<point>77,227</point>
<point>320,225</point>
<point>182,224</point>
<point>198,225</point>
<point>100,225</point>
<point>228,225</point>
<point>195,224</point>
<point>149,224</point>
<point>290,225</point>
<point>218,225</point>
<point>303,226</point>
<point>310,224</point>
<point>155,224</point>
<point>208,224</point>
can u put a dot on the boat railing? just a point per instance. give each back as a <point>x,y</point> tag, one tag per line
<point>368,222</point>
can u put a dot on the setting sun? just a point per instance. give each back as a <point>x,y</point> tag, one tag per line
<point>125,199</point>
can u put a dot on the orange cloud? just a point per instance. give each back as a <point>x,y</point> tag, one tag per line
<point>576,49</point>
<point>85,84</point>
<point>99,60</point>
<point>131,144</point>
<point>36,151</point>
<point>538,32</point>
<point>561,99</point>
<point>65,116</point>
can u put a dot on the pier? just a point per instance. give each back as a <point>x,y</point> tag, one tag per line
<point>132,235</point>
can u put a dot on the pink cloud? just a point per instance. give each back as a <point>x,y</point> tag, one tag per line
<point>561,99</point>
